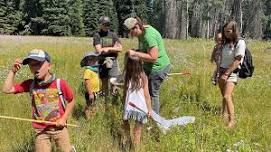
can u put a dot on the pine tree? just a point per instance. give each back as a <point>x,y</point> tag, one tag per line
<point>34,22</point>
<point>10,16</point>
<point>56,16</point>
<point>3,10</point>
<point>107,8</point>
<point>76,20</point>
<point>141,9</point>
<point>91,16</point>
<point>128,8</point>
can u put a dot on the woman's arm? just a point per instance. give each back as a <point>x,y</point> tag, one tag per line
<point>115,49</point>
<point>150,56</point>
<point>234,65</point>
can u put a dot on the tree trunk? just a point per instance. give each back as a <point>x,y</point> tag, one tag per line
<point>254,24</point>
<point>175,25</point>
<point>237,12</point>
<point>187,19</point>
<point>196,19</point>
<point>171,19</point>
<point>182,19</point>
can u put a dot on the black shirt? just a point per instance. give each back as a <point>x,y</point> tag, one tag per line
<point>106,39</point>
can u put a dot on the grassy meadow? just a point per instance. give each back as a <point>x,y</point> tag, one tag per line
<point>180,95</point>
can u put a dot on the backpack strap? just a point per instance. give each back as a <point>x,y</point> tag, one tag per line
<point>60,93</point>
<point>36,115</point>
<point>31,88</point>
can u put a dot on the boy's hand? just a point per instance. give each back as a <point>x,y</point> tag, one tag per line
<point>17,65</point>
<point>61,122</point>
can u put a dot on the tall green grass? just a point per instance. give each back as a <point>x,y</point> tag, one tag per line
<point>180,95</point>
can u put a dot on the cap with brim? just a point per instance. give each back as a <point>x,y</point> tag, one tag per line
<point>130,23</point>
<point>38,55</point>
<point>104,20</point>
<point>87,56</point>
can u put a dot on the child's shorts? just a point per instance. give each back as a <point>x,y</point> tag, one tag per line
<point>135,115</point>
<point>45,136</point>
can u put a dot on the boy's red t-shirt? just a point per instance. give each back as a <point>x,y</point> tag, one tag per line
<point>46,103</point>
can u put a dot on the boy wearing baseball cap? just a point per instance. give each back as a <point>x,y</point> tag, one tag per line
<point>51,99</point>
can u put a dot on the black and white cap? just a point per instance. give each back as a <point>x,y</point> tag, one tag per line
<point>38,55</point>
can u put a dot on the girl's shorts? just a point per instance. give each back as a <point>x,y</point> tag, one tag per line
<point>233,77</point>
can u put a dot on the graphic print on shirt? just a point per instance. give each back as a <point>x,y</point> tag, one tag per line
<point>107,41</point>
<point>47,104</point>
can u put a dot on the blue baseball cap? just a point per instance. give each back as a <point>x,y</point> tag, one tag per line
<point>38,55</point>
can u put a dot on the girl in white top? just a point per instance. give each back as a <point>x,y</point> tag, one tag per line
<point>233,52</point>
<point>136,92</point>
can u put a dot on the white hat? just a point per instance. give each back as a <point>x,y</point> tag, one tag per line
<point>130,23</point>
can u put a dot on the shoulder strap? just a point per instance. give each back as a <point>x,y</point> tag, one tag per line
<point>36,115</point>
<point>31,88</point>
<point>63,101</point>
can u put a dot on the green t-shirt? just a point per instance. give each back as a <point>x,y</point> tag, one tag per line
<point>152,38</point>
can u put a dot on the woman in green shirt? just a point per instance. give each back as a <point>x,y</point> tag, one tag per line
<point>152,51</point>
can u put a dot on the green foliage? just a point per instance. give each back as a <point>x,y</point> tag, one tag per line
<point>56,16</point>
<point>76,19</point>
<point>91,16</point>
<point>107,8</point>
<point>10,16</point>
<point>80,17</point>
<point>128,8</point>
<point>34,22</point>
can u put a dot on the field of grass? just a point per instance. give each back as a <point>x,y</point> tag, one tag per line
<point>180,95</point>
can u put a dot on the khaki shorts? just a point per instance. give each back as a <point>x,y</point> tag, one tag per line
<point>233,77</point>
<point>59,136</point>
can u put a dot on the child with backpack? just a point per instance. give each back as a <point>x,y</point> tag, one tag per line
<point>51,98</point>
<point>135,91</point>
<point>91,81</point>
<point>216,56</point>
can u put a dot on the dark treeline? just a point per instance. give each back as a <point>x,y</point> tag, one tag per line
<point>173,18</point>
